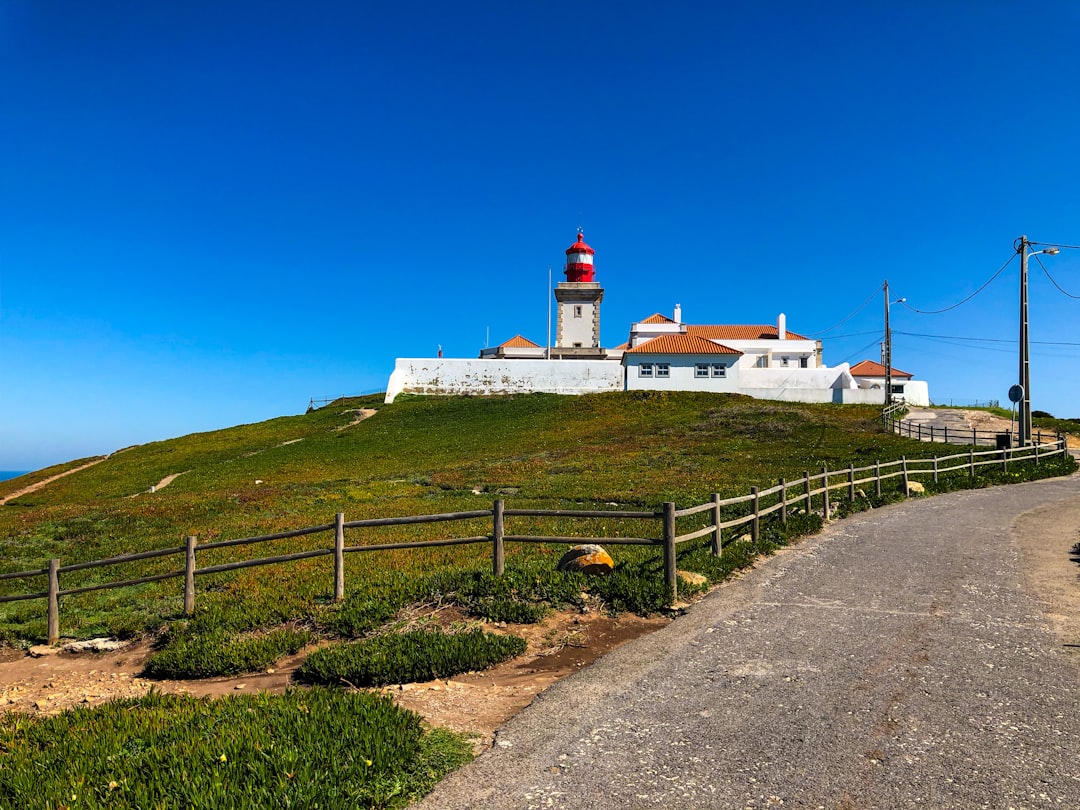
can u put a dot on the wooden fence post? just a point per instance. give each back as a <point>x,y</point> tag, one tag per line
<point>825,494</point>
<point>1004,460</point>
<point>671,576</point>
<point>189,576</point>
<point>877,478</point>
<point>783,502</point>
<point>1037,453</point>
<point>809,497</point>
<point>971,463</point>
<point>975,436</point>
<point>946,434</point>
<point>54,601</point>
<point>717,540</point>
<point>498,560</point>
<point>755,524</point>
<point>851,482</point>
<point>935,470</point>
<point>904,475</point>
<point>339,556</point>
<point>931,434</point>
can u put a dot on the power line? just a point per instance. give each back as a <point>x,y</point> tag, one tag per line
<point>982,340</point>
<point>1052,281</point>
<point>849,317</point>
<point>959,303</point>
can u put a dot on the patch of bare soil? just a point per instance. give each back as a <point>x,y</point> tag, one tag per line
<point>40,484</point>
<point>981,420</point>
<point>476,702</point>
<point>1045,537</point>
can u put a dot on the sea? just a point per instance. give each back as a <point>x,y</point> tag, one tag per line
<point>6,474</point>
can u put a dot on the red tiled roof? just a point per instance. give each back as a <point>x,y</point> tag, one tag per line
<point>740,332</point>
<point>519,342</point>
<point>868,368</point>
<point>621,347</point>
<point>681,344</point>
<point>657,318</point>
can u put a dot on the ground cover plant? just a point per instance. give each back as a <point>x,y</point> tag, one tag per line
<point>316,747</point>
<point>627,450</point>
<point>417,655</point>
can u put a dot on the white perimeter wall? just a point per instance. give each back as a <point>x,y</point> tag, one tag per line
<point>450,376</point>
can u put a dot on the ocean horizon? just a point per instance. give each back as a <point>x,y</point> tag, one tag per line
<point>6,474</point>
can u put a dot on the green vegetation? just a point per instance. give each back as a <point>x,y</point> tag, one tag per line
<point>308,748</point>
<point>418,655</point>
<point>617,451</point>
<point>328,747</point>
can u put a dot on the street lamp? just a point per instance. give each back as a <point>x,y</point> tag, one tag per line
<point>888,344</point>
<point>1024,425</point>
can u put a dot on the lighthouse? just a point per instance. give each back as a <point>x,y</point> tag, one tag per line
<point>577,332</point>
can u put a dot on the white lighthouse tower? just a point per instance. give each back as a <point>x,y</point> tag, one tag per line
<point>577,332</point>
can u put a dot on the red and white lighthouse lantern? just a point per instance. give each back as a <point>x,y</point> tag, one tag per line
<point>579,261</point>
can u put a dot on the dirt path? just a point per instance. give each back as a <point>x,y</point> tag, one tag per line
<point>476,702</point>
<point>40,484</point>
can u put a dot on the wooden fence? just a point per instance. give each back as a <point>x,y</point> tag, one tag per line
<point>954,435</point>
<point>808,494</point>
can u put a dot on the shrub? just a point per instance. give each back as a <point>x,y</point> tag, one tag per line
<point>188,654</point>
<point>408,657</point>
<point>306,748</point>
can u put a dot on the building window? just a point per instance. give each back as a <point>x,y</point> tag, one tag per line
<point>645,370</point>
<point>784,362</point>
<point>577,345</point>
<point>663,370</point>
<point>719,370</point>
<point>762,361</point>
<point>577,310</point>
<point>701,369</point>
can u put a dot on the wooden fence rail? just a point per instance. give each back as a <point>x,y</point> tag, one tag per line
<point>954,435</point>
<point>759,503</point>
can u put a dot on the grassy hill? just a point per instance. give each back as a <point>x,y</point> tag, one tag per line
<point>417,456</point>
<point>630,451</point>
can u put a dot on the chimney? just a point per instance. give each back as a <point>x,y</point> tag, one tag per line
<point>678,313</point>
<point>781,327</point>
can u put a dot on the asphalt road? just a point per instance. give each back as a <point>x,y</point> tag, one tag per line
<point>896,660</point>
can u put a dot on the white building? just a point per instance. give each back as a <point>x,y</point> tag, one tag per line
<point>762,361</point>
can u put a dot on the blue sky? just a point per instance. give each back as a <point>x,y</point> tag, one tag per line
<point>212,212</point>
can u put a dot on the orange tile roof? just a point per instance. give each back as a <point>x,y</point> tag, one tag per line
<point>621,346</point>
<point>868,368</point>
<point>657,318</point>
<point>740,332</point>
<point>681,344</point>
<point>519,342</point>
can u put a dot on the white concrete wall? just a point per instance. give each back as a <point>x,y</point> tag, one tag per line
<point>916,392</point>
<point>452,376</point>
<point>681,373</point>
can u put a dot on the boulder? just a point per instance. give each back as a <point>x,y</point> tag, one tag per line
<point>96,645</point>
<point>915,488</point>
<point>589,559</point>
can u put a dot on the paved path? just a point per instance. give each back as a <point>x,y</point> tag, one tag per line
<point>896,660</point>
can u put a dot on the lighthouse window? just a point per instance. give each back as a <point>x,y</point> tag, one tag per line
<point>663,370</point>
<point>645,370</point>
<point>577,310</point>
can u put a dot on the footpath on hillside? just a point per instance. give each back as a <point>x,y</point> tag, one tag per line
<point>920,655</point>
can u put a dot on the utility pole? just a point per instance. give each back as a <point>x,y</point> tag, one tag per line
<point>1024,424</point>
<point>888,350</point>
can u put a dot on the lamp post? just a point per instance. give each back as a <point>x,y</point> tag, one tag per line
<point>888,344</point>
<point>1024,423</point>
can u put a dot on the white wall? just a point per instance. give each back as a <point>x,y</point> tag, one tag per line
<point>448,375</point>
<point>681,369</point>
